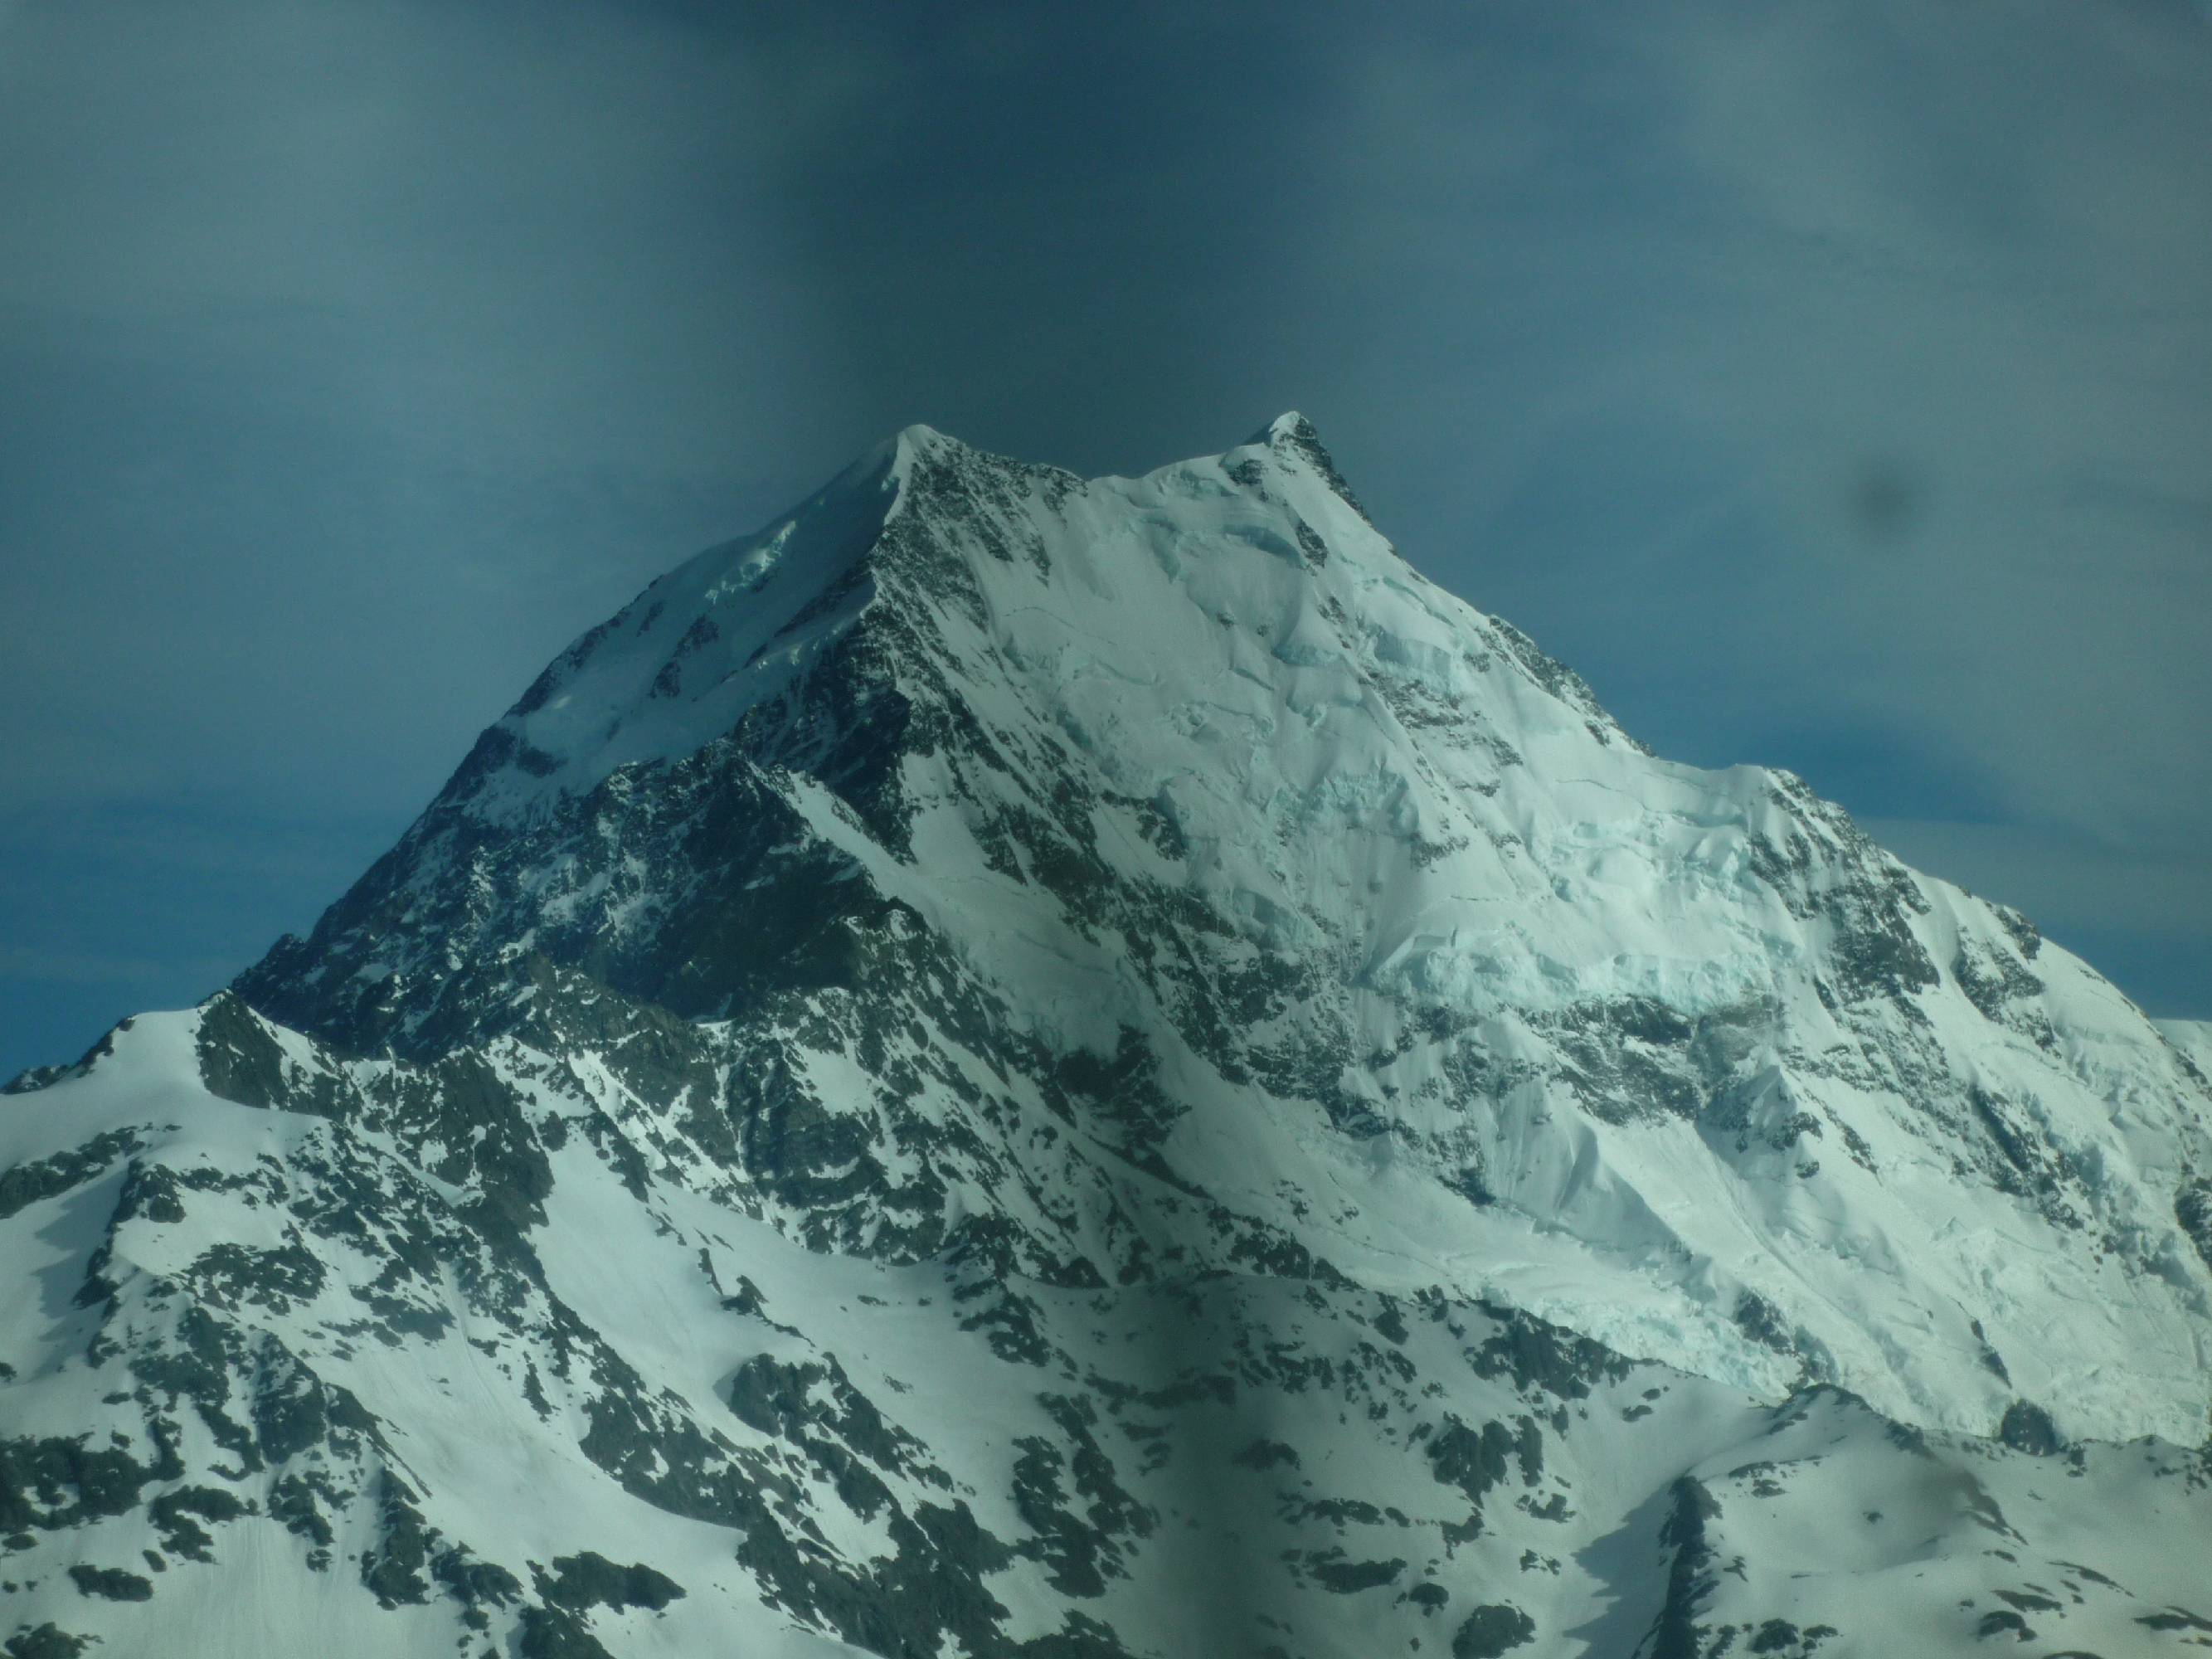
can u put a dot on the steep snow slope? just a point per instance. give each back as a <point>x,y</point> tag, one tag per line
<point>1017,1065</point>
<point>2193,1037</point>
<point>1194,776</point>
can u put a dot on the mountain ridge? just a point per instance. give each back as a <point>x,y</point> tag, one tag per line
<point>810,717</point>
<point>1005,1021</point>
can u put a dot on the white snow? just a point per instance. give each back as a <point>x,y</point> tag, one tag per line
<point>1492,892</point>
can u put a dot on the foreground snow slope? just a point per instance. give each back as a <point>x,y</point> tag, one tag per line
<point>1015,1064</point>
<point>302,1378</point>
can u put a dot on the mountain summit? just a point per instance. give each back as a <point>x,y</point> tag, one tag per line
<point>1007,1053</point>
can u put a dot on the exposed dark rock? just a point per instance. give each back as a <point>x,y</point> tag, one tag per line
<point>1493,1629</point>
<point>111,1583</point>
<point>2027,1427</point>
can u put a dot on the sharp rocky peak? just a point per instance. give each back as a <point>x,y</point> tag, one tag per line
<point>1009,1052</point>
<point>1187,787</point>
<point>919,612</point>
<point>923,520</point>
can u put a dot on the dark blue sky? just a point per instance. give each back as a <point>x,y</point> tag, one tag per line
<point>1832,385</point>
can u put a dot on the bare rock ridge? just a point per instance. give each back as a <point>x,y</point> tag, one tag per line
<point>1017,1065</point>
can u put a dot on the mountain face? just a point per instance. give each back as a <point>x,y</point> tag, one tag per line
<point>1017,1065</point>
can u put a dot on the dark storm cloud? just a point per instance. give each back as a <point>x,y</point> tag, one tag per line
<point>1830,386</point>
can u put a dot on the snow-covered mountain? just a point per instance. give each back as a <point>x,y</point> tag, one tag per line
<point>1013,1065</point>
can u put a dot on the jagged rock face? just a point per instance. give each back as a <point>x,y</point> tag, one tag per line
<point>1015,1064</point>
<point>1180,818</point>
